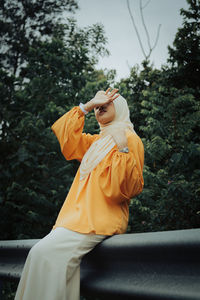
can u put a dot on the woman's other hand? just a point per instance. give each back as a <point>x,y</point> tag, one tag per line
<point>120,138</point>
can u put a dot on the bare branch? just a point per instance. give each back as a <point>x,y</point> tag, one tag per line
<point>144,25</point>
<point>128,65</point>
<point>145,28</point>
<point>157,37</point>
<point>135,27</point>
<point>146,4</point>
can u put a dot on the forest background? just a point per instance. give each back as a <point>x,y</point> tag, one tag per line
<point>47,65</point>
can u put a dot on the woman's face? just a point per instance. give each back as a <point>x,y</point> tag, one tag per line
<point>105,114</point>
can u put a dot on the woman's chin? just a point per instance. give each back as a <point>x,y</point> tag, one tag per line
<point>103,122</point>
<point>104,119</point>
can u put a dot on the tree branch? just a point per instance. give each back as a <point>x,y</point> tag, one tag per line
<point>145,28</point>
<point>157,36</point>
<point>135,27</point>
<point>143,22</point>
<point>146,4</point>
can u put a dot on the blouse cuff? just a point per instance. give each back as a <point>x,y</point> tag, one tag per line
<point>81,105</point>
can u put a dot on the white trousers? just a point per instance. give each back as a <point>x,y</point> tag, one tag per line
<point>52,268</point>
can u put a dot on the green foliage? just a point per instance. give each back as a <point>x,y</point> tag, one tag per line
<point>184,55</point>
<point>168,102</point>
<point>43,75</point>
<point>35,177</point>
<point>46,67</point>
<point>25,22</point>
<point>172,153</point>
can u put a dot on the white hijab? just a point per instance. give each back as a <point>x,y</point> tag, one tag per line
<point>100,148</point>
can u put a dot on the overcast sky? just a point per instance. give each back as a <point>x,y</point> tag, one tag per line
<point>123,44</point>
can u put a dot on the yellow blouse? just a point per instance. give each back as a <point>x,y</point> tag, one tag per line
<point>99,203</point>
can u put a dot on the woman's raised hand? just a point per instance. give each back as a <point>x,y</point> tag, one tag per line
<point>101,98</point>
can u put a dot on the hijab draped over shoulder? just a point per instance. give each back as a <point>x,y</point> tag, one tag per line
<point>100,148</point>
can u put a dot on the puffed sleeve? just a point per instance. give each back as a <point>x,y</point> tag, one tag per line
<point>68,130</point>
<point>122,175</point>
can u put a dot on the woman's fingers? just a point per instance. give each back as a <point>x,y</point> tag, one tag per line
<point>107,91</point>
<point>101,98</point>
<point>114,91</point>
<point>115,97</point>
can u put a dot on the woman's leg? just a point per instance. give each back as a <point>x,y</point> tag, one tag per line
<point>52,268</point>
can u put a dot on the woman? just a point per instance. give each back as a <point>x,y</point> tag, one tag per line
<point>96,206</point>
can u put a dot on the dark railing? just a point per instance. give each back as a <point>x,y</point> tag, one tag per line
<point>156,265</point>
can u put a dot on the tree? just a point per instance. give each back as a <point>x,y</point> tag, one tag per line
<point>167,110</point>
<point>35,178</point>
<point>24,22</point>
<point>172,157</point>
<point>133,86</point>
<point>184,55</point>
